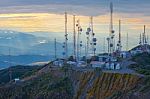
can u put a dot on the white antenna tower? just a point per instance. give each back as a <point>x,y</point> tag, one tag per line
<point>66,37</point>
<point>55,48</point>
<point>127,43</point>
<point>140,42</point>
<point>111,29</point>
<point>93,41</point>
<point>79,43</point>
<point>119,45</point>
<point>104,49</point>
<point>10,70</point>
<point>74,37</point>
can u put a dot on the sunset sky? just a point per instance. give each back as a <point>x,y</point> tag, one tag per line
<point>48,16</point>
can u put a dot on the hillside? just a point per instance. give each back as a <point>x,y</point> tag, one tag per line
<point>58,83</point>
<point>142,63</point>
<point>17,72</point>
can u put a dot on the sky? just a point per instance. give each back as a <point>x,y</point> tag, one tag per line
<point>47,16</point>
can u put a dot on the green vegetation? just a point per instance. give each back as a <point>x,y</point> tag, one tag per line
<point>45,86</point>
<point>17,72</point>
<point>142,65</point>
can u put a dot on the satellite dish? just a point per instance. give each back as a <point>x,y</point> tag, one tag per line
<point>88,29</point>
<point>87,33</point>
<point>108,38</point>
<point>94,39</point>
<point>93,34</point>
<point>111,45</point>
<point>80,29</point>
<point>112,31</point>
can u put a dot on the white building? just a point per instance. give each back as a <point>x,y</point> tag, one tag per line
<point>17,80</point>
<point>104,58</point>
<point>124,54</point>
<point>113,66</point>
<point>59,63</point>
<point>97,64</point>
<point>81,64</point>
<point>72,63</point>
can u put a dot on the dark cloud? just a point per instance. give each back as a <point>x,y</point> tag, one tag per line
<point>84,7</point>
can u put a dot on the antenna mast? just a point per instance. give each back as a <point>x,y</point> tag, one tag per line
<point>79,43</point>
<point>140,42</point>
<point>111,29</point>
<point>74,38</point>
<point>55,48</point>
<point>10,71</point>
<point>66,36</point>
<point>93,42</point>
<point>104,50</point>
<point>127,43</point>
<point>119,41</point>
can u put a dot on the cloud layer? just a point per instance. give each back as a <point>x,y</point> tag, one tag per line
<point>82,7</point>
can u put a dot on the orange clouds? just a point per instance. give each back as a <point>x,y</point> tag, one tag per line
<point>30,22</point>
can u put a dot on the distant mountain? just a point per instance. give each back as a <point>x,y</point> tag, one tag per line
<point>21,43</point>
<point>26,48</point>
<point>140,46</point>
<point>18,42</point>
<point>6,61</point>
<point>46,49</point>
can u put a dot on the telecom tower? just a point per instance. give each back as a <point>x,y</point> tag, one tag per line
<point>10,70</point>
<point>88,40</point>
<point>55,48</point>
<point>127,42</point>
<point>93,41</point>
<point>119,45</point>
<point>79,42</point>
<point>91,38</point>
<point>111,39</point>
<point>140,42</point>
<point>74,37</point>
<point>65,46</point>
<point>144,41</point>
